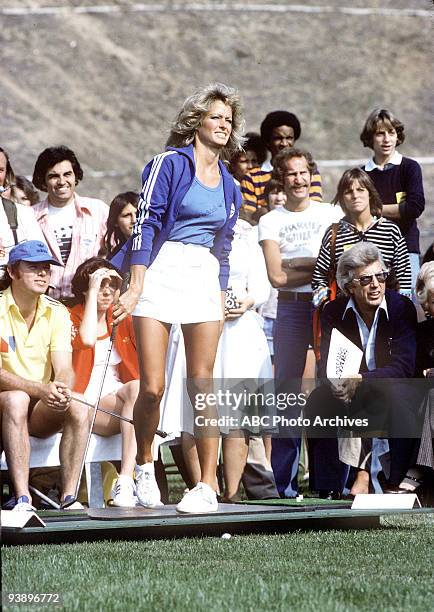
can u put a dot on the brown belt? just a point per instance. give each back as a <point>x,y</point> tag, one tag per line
<point>294,296</point>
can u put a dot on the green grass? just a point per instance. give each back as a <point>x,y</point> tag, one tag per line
<point>388,569</point>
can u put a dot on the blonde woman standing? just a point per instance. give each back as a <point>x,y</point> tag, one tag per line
<point>178,257</point>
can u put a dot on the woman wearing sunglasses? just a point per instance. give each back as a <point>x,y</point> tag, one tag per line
<point>363,222</point>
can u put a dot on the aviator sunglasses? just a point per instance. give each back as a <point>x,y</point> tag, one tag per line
<point>367,279</point>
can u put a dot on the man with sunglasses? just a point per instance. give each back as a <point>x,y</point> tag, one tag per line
<point>382,323</point>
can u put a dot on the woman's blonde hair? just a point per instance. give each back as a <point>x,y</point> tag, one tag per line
<point>425,283</point>
<point>195,108</point>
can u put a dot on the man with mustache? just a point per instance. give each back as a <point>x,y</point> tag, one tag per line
<point>291,237</point>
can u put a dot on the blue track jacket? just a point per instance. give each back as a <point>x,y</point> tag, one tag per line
<point>166,179</point>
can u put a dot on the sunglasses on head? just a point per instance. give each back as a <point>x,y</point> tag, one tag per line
<point>367,279</point>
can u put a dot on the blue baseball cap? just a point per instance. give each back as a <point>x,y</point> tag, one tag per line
<point>32,250</point>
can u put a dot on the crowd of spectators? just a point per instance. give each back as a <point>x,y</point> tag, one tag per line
<point>308,268</point>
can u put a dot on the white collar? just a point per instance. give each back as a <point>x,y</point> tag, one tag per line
<point>395,160</point>
<point>351,304</point>
<point>267,166</point>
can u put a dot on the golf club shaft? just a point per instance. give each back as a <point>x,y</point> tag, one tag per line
<point>49,501</point>
<point>161,434</point>
<point>101,385</point>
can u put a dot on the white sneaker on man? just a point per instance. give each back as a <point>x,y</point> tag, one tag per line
<point>123,493</point>
<point>199,500</point>
<point>147,491</point>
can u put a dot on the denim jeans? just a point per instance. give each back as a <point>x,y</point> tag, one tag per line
<point>292,336</point>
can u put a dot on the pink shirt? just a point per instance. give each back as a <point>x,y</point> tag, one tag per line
<point>87,239</point>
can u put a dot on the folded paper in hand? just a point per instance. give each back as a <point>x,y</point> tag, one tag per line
<point>344,357</point>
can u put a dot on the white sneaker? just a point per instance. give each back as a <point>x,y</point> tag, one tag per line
<point>23,505</point>
<point>124,493</point>
<point>67,505</point>
<point>75,506</point>
<point>198,500</point>
<point>147,491</point>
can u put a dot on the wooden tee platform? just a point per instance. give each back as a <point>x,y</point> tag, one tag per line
<point>143,523</point>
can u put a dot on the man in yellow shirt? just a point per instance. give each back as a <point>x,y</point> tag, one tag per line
<point>35,341</point>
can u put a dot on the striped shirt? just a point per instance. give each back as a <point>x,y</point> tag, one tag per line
<point>87,240</point>
<point>385,234</point>
<point>253,187</point>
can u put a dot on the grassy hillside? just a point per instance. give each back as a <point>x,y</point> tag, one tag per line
<point>108,84</point>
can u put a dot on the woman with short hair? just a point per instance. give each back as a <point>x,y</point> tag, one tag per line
<point>362,222</point>
<point>179,272</point>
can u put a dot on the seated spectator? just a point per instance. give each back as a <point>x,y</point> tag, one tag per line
<point>253,155</point>
<point>363,222</point>
<point>120,222</point>
<point>425,336</point>
<point>382,323</point>
<point>73,226</point>
<point>397,179</point>
<point>420,477</point>
<point>25,192</point>
<point>279,130</point>
<point>94,285</point>
<point>36,374</point>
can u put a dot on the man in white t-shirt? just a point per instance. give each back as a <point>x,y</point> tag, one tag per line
<point>73,226</point>
<point>291,237</point>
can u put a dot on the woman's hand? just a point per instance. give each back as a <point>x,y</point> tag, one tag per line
<point>126,302</point>
<point>97,277</point>
<point>244,305</point>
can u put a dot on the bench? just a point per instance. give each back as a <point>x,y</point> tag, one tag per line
<point>44,452</point>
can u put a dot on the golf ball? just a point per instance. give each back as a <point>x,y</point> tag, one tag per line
<point>226,536</point>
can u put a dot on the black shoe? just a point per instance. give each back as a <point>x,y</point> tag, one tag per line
<point>348,497</point>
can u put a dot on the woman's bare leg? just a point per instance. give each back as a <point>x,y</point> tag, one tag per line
<point>191,458</point>
<point>235,451</point>
<point>152,338</point>
<point>201,340</point>
<point>128,396</point>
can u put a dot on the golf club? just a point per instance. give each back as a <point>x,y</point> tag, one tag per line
<point>161,434</point>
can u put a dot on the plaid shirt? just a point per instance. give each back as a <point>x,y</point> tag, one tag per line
<point>87,239</point>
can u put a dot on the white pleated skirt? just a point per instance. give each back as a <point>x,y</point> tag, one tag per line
<point>181,286</point>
